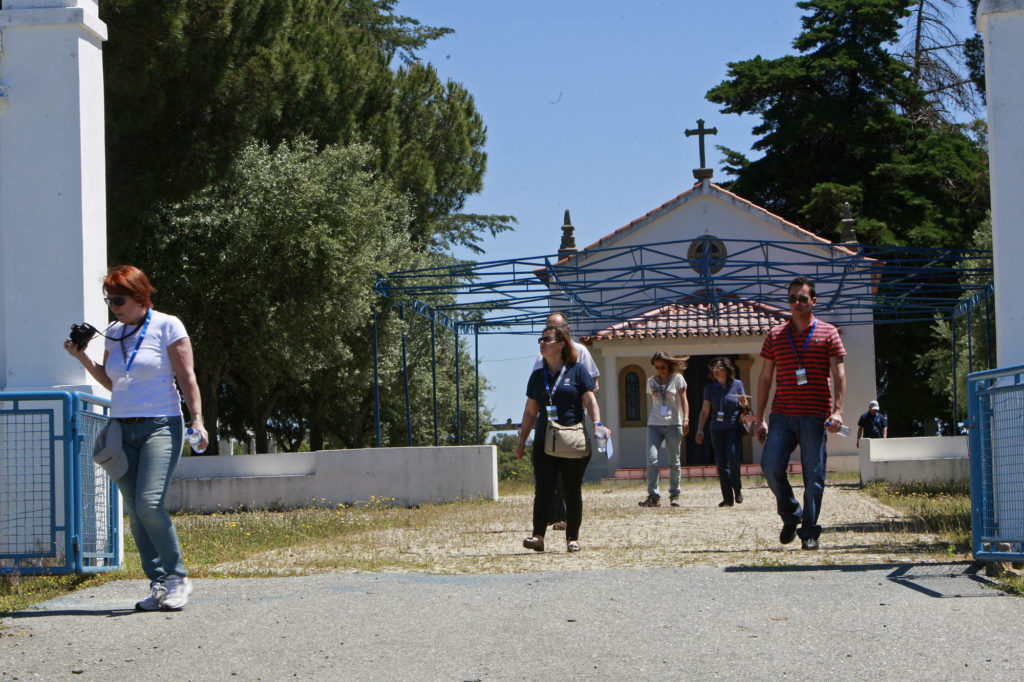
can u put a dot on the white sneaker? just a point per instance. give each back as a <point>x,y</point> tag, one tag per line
<point>178,589</point>
<point>157,592</point>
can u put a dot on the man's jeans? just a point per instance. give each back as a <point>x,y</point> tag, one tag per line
<point>784,434</point>
<point>672,435</point>
<point>153,448</point>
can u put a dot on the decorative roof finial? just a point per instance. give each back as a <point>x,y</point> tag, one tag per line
<point>847,234</point>
<point>568,245</point>
<point>702,173</point>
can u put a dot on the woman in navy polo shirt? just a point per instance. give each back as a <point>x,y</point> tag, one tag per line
<point>558,391</point>
<point>721,404</point>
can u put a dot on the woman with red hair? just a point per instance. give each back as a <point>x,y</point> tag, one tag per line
<point>145,352</point>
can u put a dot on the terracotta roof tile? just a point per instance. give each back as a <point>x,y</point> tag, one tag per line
<point>680,320</point>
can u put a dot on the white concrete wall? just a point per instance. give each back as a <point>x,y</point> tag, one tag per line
<point>52,189</point>
<point>407,476</point>
<point>932,459</point>
<point>1002,23</point>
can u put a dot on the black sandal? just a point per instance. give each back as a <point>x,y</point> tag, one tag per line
<point>535,543</point>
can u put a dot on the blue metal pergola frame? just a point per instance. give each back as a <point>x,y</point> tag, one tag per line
<point>857,284</point>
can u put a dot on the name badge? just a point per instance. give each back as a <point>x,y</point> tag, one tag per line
<point>552,413</point>
<point>664,410</point>
<point>720,416</point>
<point>123,383</point>
<point>801,376</point>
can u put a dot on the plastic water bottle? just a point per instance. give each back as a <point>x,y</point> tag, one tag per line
<point>193,438</point>
<point>844,430</point>
<point>601,435</point>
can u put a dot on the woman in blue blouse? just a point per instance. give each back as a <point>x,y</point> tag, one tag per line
<point>721,404</point>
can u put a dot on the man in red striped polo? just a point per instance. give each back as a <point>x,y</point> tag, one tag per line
<point>801,356</point>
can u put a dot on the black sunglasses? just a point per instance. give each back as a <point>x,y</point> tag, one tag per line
<point>115,300</point>
<point>801,298</point>
<point>547,339</point>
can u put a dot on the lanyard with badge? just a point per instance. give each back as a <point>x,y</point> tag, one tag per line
<point>663,389</point>
<point>551,410</point>
<point>801,373</point>
<point>124,382</point>
<point>720,417</point>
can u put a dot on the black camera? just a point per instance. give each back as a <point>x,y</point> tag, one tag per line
<point>81,334</point>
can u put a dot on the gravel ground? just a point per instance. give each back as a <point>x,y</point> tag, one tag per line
<point>616,533</point>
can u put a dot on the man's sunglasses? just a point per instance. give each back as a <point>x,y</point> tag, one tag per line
<point>801,298</point>
<point>112,301</point>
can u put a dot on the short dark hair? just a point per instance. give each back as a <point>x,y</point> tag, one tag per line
<point>730,369</point>
<point>801,281</point>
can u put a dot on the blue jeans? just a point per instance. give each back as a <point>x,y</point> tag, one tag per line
<point>153,448</point>
<point>784,434</point>
<point>726,444</point>
<point>672,436</point>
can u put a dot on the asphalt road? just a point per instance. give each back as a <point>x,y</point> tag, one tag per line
<point>913,622</point>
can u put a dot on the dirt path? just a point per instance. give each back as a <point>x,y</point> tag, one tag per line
<point>616,533</point>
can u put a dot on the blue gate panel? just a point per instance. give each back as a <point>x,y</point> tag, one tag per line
<point>996,420</point>
<point>28,515</point>
<point>59,513</point>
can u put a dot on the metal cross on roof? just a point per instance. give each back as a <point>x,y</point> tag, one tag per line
<point>702,172</point>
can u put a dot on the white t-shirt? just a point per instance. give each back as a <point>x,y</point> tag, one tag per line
<point>148,389</point>
<point>665,401</point>
<point>583,359</point>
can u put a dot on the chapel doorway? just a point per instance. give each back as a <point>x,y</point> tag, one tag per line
<point>697,377</point>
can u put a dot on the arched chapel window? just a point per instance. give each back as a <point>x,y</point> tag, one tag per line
<point>632,399</point>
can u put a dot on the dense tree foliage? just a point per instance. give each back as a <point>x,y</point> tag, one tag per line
<point>267,159</point>
<point>839,122</point>
<point>843,120</point>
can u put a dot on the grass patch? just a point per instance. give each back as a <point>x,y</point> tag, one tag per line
<point>944,510</point>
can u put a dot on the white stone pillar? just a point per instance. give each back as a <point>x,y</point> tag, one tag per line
<point>52,189</point>
<point>1002,23</point>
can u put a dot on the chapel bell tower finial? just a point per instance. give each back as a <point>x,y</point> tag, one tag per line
<point>847,235</point>
<point>568,245</point>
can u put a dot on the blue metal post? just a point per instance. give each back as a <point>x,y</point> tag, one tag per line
<point>458,394</point>
<point>476,359</point>
<point>970,346</point>
<point>433,371</point>
<point>376,379</point>
<point>988,333</point>
<point>952,330</point>
<point>405,378</point>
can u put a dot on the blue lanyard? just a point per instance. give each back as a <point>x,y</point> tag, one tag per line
<point>142,335</point>
<point>551,393</point>
<point>800,355</point>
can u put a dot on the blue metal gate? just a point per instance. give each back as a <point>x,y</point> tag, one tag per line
<point>996,420</point>
<point>59,512</point>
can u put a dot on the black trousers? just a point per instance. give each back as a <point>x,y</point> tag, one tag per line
<point>546,471</point>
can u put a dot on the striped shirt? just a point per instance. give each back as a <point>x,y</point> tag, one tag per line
<point>815,397</point>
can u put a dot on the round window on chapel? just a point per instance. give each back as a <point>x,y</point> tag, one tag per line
<point>707,252</point>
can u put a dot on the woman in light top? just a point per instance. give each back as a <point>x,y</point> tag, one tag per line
<point>667,422</point>
<point>722,405</point>
<point>146,351</point>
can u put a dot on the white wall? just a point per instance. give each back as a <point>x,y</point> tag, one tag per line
<point>1002,23</point>
<point>932,459</point>
<point>407,476</point>
<point>52,189</point>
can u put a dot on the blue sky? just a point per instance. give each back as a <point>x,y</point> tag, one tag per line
<point>585,103</point>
